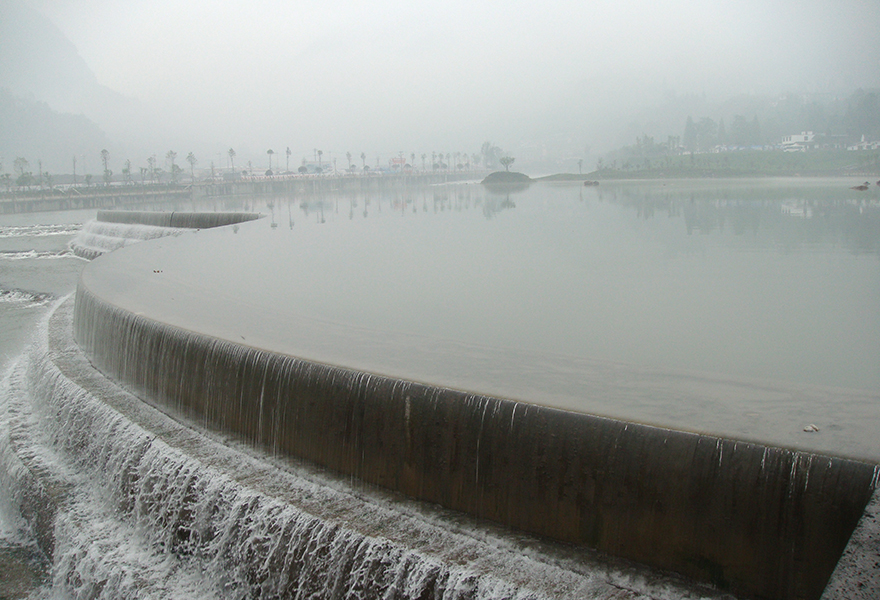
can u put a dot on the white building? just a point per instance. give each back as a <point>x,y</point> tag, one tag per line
<point>865,145</point>
<point>799,142</point>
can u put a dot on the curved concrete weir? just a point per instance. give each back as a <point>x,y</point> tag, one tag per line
<point>114,229</point>
<point>756,519</point>
<point>191,220</point>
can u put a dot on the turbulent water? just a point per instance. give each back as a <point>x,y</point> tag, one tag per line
<point>36,268</point>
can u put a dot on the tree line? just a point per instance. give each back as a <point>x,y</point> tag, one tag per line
<point>24,175</point>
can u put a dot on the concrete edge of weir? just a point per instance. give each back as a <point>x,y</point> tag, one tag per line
<point>758,520</point>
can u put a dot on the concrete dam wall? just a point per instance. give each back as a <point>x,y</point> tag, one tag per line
<point>114,229</point>
<point>757,520</point>
<point>190,220</point>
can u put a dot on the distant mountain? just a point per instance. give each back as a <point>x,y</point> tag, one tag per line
<point>31,130</point>
<point>44,70</point>
<point>39,61</point>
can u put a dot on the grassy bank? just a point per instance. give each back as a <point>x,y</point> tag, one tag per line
<point>746,163</point>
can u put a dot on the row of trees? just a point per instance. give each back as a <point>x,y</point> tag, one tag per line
<point>490,156</point>
<point>839,122</point>
<point>836,123</point>
<point>706,134</point>
<point>22,175</point>
<point>761,122</point>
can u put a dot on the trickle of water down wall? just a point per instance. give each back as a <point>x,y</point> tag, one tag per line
<point>757,520</point>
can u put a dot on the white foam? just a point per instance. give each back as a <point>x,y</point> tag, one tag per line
<point>35,254</point>
<point>25,298</point>
<point>98,237</point>
<point>39,230</point>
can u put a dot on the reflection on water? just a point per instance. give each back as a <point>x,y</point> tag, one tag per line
<point>744,308</point>
<point>793,212</point>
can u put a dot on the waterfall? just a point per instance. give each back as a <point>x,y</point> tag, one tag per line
<point>142,505</point>
<point>760,520</point>
<point>114,229</point>
<point>97,237</point>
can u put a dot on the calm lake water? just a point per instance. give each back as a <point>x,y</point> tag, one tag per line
<point>741,308</point>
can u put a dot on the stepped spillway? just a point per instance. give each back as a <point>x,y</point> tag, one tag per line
<point>114,229</point>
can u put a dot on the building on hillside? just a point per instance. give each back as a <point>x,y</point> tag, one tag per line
<point>865,144</point>
<point>799,142</point>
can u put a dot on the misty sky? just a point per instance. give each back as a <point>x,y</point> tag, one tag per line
<point>417,76</point>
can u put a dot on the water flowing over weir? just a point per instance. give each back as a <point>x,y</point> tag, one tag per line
<point>133,504</point>
<point>114,229</point>
<point>760,520</point>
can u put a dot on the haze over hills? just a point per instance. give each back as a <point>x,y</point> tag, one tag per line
<point>32,130</point>
<point>51,104</point>
<point>550,85</point>
<point>39,61</point>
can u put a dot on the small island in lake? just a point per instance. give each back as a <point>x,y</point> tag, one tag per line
<point>506,177</point>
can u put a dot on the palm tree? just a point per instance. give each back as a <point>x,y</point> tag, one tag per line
<point>270,152</point>
<point>288,152</point>
<point>320,154</point>
<point>105,158</point>
<point>364,159</point>
<point>191,159</point>
<point>348,157</point>
<point>231,153</point>
<point>424,156</point>
<point>172,156</point>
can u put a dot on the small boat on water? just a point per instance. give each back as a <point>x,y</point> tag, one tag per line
<point>589,183</point>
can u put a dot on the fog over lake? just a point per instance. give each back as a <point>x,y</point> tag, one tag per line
<point>553,80</point>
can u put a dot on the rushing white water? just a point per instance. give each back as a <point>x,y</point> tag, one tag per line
<point>149,508</point>
<point>25,298</point>
<point>97,237</point>
<point>30,231</point>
